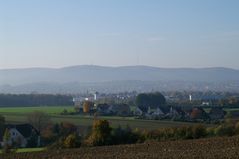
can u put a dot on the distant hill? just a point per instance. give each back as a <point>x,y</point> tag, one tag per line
<point>74,78</point>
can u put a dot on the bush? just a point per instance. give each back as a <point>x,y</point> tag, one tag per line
<point>66,128</point>
<point>6,138</point>
<point>237,128</point>
<point>58,144</point>
<point>181,133</point>
<point>168,134</point>
<point>198,131</point>
<point>152,135</point>
<point>101,133</point>
<point>210,131</point>
<point>72,141</point>
<point>32,141</point>
<point>189,133</point>
<point>225,130</point>
<point>124,136</point>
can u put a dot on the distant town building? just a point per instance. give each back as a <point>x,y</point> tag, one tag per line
<point>190,97</point>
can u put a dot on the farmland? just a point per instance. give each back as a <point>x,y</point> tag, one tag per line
<point>18,115</point>
<point>215,148</point>
<point>21,150</point>
<point>24,110</point>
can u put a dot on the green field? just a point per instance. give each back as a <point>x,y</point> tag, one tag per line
<point>28,149</point>
<point>19,115</point>
<point>231,109</point>
<point>47,109</point>
<point>226,109</point>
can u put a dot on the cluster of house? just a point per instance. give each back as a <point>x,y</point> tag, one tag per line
<point>104,109</point>
<point>192,114</point>
<point>19,135</point>
<point>177,113</point>
<point>115,109</point>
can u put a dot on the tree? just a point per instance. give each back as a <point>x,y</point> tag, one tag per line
<point>2,123</point>
<point>198,113</point>
<point>142,101</point>
<point>101,133</point>
<point>152,100</point>
<point>72,141</point>
<point>49,135</point>
<point>157,99</point>
<point>6,140</point>
<point>39,120</point>
<point>33,140</point>
<point>226,129</point>
<point>67,128</point>
<point>87,105</point>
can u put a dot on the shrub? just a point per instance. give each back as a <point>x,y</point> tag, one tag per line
<point>211,131</point>
<point>100,135</point>
<point>167,134</point>
<point>58,144</point>
<point>181,133</point>
<point>152,135</point>
<point>32,141</point>
<point>189,133</point>
<point>66,128</point>
<point>6,141</point>
<point>225,130</point>
<point>72,141</point>
<point>198,131</point>
<point>237,128</point>
<point>124,136</point>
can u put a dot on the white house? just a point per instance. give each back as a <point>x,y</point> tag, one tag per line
<point>152,114</point>
<point>21,134</point>
<point>158,112</point>
<point>138,112</point>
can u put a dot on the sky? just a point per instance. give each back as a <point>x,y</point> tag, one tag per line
<point>161,33</point>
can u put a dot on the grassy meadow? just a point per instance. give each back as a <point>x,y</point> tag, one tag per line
<point>25,110</point>
<point>19,115</point>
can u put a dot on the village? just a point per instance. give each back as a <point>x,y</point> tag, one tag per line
<point>94,105</point>
<point>38,129</point>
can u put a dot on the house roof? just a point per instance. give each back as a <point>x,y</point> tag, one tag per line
<point>165,110</point>
<point>198,113</point>
<point>120,107</point>
<point>178,110</point>
<point>217,110</point>
<point>103,107</point>
<point>25,129</point>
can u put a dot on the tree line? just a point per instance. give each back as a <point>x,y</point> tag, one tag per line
<point>102,134</point>
<point>19,100</point>
<point>152,100</point>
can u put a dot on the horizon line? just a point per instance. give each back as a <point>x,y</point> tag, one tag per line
<point>112,66</point>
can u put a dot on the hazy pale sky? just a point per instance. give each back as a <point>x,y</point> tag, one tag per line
<point>162,33</point>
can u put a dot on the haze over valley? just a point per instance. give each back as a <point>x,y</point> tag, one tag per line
<point>82,78</point>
